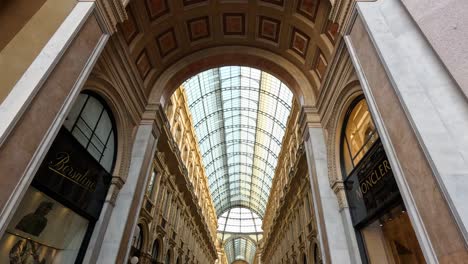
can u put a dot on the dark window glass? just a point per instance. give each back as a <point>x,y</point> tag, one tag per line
<point>90,122</point>
<point>155,252</point>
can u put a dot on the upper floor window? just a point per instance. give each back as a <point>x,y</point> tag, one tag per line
<point>168,258</point>
<point>138,238</point>
<point>150,189</point>
<point>155,251</point>
<point>91,123</point>
<point>358,136</point>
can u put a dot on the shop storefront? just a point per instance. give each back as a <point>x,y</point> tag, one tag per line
<point>55,219</point>
<point>382,226</point>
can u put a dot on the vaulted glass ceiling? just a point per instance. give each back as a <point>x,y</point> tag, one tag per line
<point>240,220</point>
<point>240,116</point>
<point>240,248</point>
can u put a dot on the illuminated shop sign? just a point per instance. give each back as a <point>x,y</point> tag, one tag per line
<point>71,173</point>
<point>371,186</point>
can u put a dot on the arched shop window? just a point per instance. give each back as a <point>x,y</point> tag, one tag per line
<point>55,219</point>
<point>358,135</point>
<point>90,121</point>
<point>383,229</point>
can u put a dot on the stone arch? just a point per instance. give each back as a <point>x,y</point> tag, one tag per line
<point>264,60</point>
<point>304,258</point>
<point>314,251</point>
<point>165,247</point>
<point>123,123</point>
<point>159,244</point>
<point>344,99</point>
<point>171,252</point>
<point>146,234</point>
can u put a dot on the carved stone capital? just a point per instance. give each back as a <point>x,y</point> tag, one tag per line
<point>117,181</point>
<point>309,117</point>
<point>339,189</point>
<point>112,194</point>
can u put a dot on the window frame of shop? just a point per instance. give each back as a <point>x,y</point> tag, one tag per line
<point>92,217</point>
<point>105,109</point>
<point>382,208</point>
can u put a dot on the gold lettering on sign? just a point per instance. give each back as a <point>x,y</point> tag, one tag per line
<point>377,174</point>
<point>61,165</point>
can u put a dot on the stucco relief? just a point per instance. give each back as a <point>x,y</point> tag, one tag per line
<point>334,127</point>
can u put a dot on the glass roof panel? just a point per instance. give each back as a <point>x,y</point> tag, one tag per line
<point>240,220</point>
<point>240,116</point>
<point>240,248</point>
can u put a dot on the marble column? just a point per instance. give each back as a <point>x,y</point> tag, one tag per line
<point>331,233</point>
<point>117,238</point>
<point>433,102</point>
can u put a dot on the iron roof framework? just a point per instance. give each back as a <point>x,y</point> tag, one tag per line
<point>240,248</point>
<point>240,116</point>
<point>239,220</point>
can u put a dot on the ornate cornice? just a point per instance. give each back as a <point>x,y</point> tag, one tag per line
<point>111,12</point>
<point>309,117</point>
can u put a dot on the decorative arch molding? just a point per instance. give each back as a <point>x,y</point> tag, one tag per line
<point>188,66</point>
<point>171,251</point>
<point>314,249</point>
<point>160,240</point>
<point>339,13</point>
<point>344,99</point>
<point>123,123</point>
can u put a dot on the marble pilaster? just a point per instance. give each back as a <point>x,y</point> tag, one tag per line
<point>116,242</point>
<point>331,233</point>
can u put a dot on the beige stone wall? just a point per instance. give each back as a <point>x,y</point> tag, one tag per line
<point>30,132</point>
<point>178,213</point>
<point>24,34</point>
<point>183,132</point>
<point>289,223</point>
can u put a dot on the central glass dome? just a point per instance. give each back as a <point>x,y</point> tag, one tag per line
<point>240,220</point>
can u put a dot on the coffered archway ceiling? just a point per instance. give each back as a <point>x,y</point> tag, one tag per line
<point>158,33</point>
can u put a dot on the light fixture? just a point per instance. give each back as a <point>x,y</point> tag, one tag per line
<point>134,260</point>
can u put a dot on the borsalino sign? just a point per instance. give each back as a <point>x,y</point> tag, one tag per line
<point>70,173</point>
<point>371,185</point>
<point>63,166</point>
